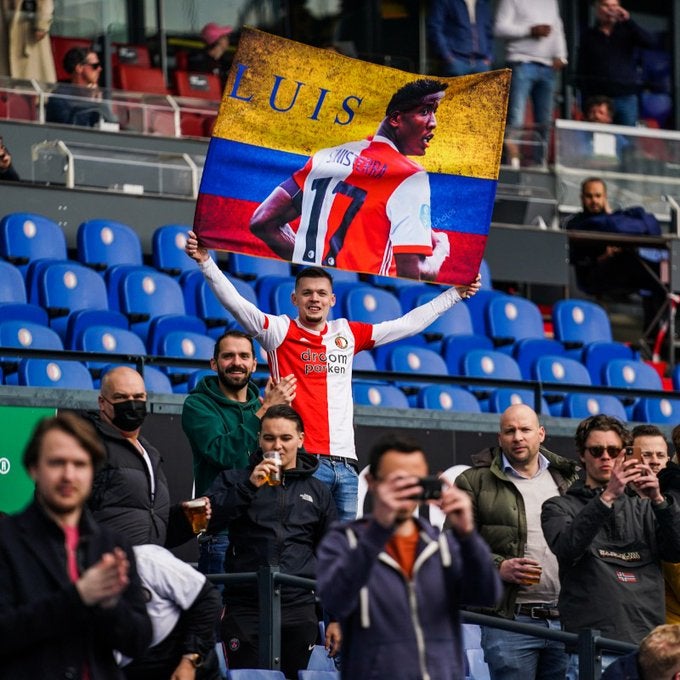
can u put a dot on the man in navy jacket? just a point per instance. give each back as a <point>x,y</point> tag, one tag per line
<point>395,583</point>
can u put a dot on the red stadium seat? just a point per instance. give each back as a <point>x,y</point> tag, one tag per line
<point>61,44</point>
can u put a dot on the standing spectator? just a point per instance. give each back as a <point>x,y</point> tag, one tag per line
<point>535,50</point>
<point>25,49</point>
<point>130,492</point>
<point>319,353</point>
<point>461,34</point>
<point>508,486</point>
<point>70,592</point>
<point>184,609</point>
<point>395,583</point>
<point>278,525</point>
<point>607,59</point>
<point>221,419</point>
<point>79,102</point>
<point>609,541</point>
<point>653,448</point>
<point>7,171</point>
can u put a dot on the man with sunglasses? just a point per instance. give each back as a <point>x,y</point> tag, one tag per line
<point>79,102</point>
<point>610,533</point>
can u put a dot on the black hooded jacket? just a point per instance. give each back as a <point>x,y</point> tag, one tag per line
<point>272,525</point>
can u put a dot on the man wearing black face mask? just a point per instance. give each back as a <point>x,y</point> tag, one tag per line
<point>130,492</point>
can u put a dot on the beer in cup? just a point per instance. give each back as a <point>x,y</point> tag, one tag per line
<point>274,478</point>
<point>196,512</point>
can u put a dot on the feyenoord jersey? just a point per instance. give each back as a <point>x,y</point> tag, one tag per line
<point>322,362</point>
<point>362,203</point>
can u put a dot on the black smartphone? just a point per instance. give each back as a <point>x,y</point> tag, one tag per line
<point>432,488</point>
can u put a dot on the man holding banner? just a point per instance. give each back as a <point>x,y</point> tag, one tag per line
<point>363,205</point>
<point>319,353</point>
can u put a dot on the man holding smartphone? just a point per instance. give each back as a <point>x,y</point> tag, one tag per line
<point>610,533</point>
<point>395,583</point>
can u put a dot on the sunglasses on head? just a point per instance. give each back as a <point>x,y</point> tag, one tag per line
<point>598,451</point>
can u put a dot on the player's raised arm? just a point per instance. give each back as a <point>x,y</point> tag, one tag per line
<point>270,220</point>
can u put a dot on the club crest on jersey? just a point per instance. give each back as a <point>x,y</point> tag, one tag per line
<point>341,342</point>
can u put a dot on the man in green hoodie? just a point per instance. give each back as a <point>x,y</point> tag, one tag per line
<point>221,419</point>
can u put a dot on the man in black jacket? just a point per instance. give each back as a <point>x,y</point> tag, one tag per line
<point>278,525</point>
<point>610,533</point>
<point>130,492</point>
<point>70,592</point>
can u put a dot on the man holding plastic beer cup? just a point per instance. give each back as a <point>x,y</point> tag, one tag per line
<point>276,512</point>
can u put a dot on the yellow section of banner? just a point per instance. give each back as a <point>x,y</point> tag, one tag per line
<point>291,97</point>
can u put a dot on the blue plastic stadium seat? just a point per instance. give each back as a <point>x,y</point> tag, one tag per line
<point>25,237</point>
<point>510,319</point>
<point>379,394</point>
<point>185,345</point>
<point>657,410</point>
<point>579,405</point>
<point>83,319</point>
<point>160,326</point>
<point>105,243</point>
<point>12,287</point>
<point>596,355</point>
<point>371,305</point>
<point>313,674</point>
<point>481,363</point>
<point>527,351</point>
<point>447,398</point>
<point>455,347</point>
<point>577,323</point>
<point>54,373</point>
<point>196,376</point>
<point>148,294</point>
<point>504,397</point>
<point>477,305</point>
<point>250,267</point>
<point>66,287</point>
<point>167,252</point>
<point>113,277</point>
<point>109,339</point>
<point>275,296</point>
<point>363,361</point>
<point>559,369</point>
<point>24,335</point>
<point>633,375</point>
<point>416,360</point>
<point>382,352</point>
<point>254,674</point>
<point>455,321</point>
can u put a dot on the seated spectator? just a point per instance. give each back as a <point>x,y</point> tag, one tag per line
<point>276,514</point>
<point>599,109</point>
<point>606,269</point>
<point>80,101</point>
<point>7,171</point>
<point>217,56</point>
<point>184,608</point>
<point>658,657</point>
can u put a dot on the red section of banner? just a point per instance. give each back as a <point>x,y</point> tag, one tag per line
<point>223,225</point>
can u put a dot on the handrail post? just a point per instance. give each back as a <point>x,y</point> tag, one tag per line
<point>589,657</point>
<point>270,619</point>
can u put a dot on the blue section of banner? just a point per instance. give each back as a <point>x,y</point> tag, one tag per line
<point>250,173</point>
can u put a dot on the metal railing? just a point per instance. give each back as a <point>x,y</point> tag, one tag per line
<point>588,642</point>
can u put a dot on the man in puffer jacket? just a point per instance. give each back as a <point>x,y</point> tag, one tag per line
<point>396,584</point>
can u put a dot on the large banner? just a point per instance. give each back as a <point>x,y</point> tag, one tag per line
<point>325,160</point>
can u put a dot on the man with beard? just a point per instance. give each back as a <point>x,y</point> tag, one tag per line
<point>605,268</point>
<point>221,419</point>
<point>130,492</point>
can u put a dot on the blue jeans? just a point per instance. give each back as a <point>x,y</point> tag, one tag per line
<point>464,67</point>
<point>626,109</point>
<point>343,481</point>
<point>537,81</point>
<point>211,552</point>
<point>514,656</point>
<point>572,670</point>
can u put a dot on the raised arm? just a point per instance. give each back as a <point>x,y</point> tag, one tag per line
<point>420,318</point>
<point>270,219</point>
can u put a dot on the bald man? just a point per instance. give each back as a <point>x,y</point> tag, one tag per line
<point>130,492</point>
<point>508,485</point>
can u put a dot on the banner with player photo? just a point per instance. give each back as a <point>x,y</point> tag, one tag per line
<point>321,159</point>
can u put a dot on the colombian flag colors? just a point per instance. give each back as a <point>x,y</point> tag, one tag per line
<point>284,102</point>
